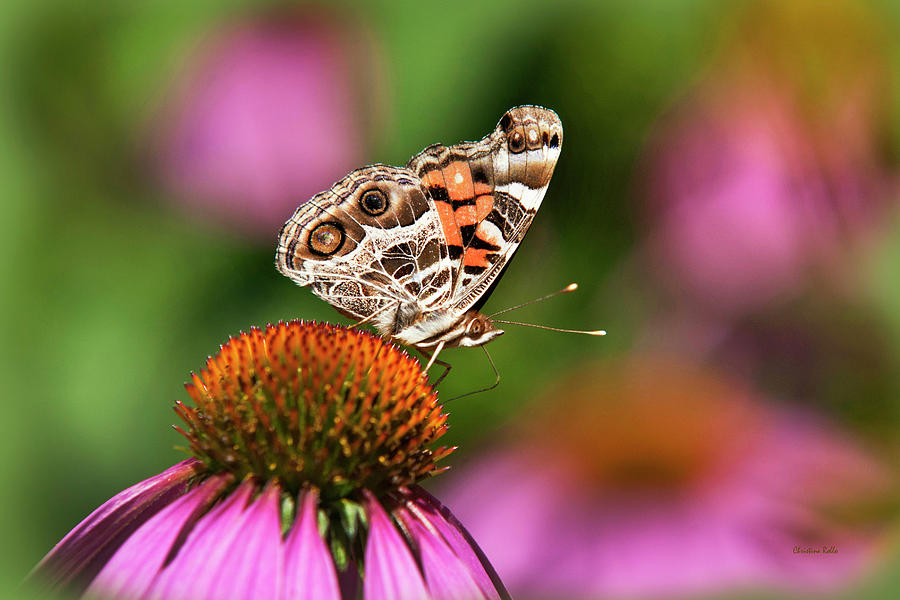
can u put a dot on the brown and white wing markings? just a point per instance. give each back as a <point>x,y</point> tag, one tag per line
<point>369,245</point>
<point>486,194</point>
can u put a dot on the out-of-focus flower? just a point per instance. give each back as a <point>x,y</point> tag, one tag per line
<point>828,353</point>
<point>656,479</point>
<point>772,166</point>
<point>271,111</point>
<point>308,441</point>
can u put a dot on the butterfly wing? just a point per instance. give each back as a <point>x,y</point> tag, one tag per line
<point>486,194</point>
<point>368,246</point>
<point>433,236</point>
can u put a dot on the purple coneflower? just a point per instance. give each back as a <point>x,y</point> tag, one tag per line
<point>772,168</point>
<point>270,111</point>
<point>655,479</point>
<point>308,443</point>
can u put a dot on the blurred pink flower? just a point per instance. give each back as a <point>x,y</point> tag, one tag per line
<point>271,112</point>
<point>770,166</point>
<point>652,479</point>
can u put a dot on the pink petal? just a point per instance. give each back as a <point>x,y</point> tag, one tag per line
<point>447,577</point>
<point>251,567</point>
<point>79,556</point>
<point>131,571</point>
<point>391,572</point>
<point>438,517</point>
<point>192,572</point>
<point>309,569</point>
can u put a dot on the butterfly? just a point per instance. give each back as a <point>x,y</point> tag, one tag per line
<point>417,250</point>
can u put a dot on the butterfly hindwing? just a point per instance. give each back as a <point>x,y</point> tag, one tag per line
<point>371,242</point>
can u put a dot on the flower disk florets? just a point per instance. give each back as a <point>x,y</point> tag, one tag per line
<point>315,405</point>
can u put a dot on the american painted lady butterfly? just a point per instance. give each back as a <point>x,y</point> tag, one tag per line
<point>416,250</point>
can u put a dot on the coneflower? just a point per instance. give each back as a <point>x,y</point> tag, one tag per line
<point>308,441</point>
<point>654,477</point>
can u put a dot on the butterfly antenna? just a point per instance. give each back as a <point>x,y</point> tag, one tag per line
<point>569,288</point>
<point>594,332</point>
<point>487,389</point>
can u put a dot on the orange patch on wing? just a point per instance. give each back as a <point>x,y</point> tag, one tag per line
<point>483,206</point>
<point>466,215</point>
<point>482,188</point>
<point>458,179</point>
<point>476,257</point>
<point>448,223</point>
<point>472,214</point>
<point>433,179</point>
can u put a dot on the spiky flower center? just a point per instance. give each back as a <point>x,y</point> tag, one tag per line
<point>315,405</point>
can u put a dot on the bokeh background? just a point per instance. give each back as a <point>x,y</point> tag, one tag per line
<point>726,198</point>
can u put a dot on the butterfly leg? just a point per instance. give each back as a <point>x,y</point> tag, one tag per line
<point>433,360</point>
<point>434,356</point>
<point>486,389</point>
<point>447,366</point>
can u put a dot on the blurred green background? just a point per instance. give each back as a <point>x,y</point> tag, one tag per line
<point>117,280</point>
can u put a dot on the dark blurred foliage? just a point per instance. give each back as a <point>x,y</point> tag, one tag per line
<point>116,285</point>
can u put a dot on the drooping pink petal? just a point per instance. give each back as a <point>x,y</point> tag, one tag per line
<point>79,556</point>
<point>192,572</point>
<point>391,572</point>
<point>308,567</point>
<point>251,567</point>
<point>447,577</point>
<point>431,512</point>
<point>133,568</point>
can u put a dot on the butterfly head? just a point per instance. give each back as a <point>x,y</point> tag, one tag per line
<point>475,329</point>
